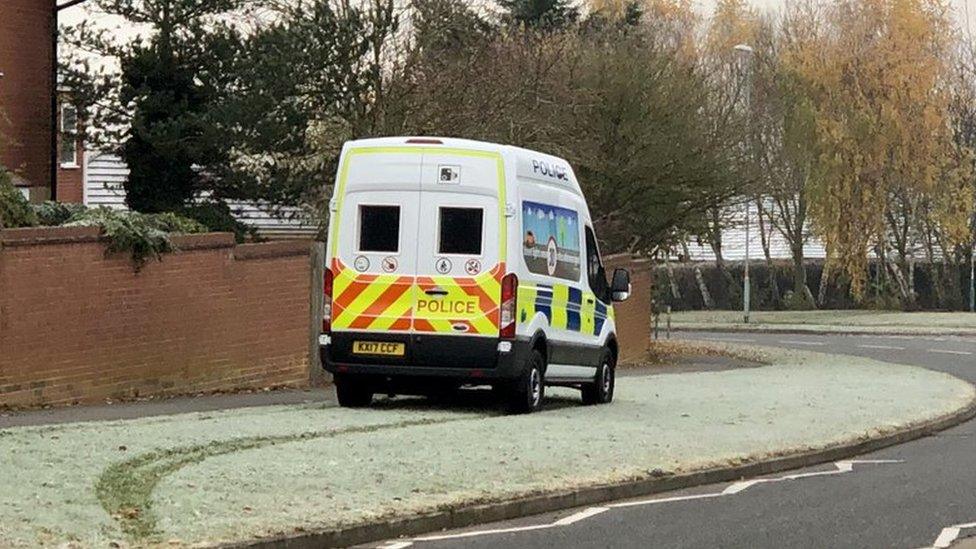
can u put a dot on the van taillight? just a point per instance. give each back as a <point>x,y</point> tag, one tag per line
<point>508,307</point>
<point>327,302</point>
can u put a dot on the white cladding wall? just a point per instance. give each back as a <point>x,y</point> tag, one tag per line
<point>106,173</point>
<point>734,241</point>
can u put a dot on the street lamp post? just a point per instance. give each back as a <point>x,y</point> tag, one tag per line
<point>972,280</point>
<point>744,53</point>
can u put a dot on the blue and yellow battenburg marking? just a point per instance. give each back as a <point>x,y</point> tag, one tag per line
<point>564,307</point>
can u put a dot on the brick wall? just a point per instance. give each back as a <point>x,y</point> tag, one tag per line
<point>71,181</point>
<point>633,317</point>
<point>70,178</point>
<point>77,326</point>
<point>26,49</point>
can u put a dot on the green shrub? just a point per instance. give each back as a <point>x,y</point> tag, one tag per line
<point>175,223</point>
<point>15,211</point>
<point>217,216</point>
<point>142,236</point>
<point>797,301</point>
<point>51,214</point>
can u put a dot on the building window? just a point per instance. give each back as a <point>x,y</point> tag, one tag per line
<point>68,153</point>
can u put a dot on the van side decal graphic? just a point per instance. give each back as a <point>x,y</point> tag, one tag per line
<point>563,307</point>
<point>551,243</point>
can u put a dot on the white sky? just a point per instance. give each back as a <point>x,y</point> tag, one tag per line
<point>78,13</point>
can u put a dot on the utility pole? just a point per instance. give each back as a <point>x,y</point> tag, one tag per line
<point>744,53</point>
<point>972,279</point>
<point>972,263</point>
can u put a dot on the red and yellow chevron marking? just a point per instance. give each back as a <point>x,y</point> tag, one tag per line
<point>483,291</point>
<point>370,301</point>
<point>393,302</point>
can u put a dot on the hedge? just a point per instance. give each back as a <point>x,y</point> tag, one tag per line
<point>727,293</point>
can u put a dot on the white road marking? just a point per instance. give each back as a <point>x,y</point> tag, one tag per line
<point>582,515</point>
<point>664,500</point>
<point>890,347</point>
<point>565,521</point>
<point>949,352</point>
<point>794,342</point>
<point>840,467</point>
<point>949,535</point>
<point>396,545</point>
<point>736,339</point>
<point>486,532</point>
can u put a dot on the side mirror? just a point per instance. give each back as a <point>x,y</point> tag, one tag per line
<point>620,286</point>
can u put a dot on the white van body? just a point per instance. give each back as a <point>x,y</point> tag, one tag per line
<point>426,236</point>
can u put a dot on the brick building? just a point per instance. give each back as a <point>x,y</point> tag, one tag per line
<point>27,102</point>
<point>31,117</point>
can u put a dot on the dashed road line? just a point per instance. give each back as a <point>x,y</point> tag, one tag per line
<point>840,468</point>
<point>888,347</point>
<point>735,339</point>
<point>795,342</point>
<point>949,352</point>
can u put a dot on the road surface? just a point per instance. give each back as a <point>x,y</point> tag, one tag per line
<point>906,496</point>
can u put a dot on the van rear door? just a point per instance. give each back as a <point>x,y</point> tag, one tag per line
<point>375,250</point>
<point>460,245</point>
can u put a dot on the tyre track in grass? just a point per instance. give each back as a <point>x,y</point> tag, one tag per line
<point>125,489</point>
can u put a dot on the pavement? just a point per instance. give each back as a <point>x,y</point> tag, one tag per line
<point>842,322</point>
<point>229,475</point>
<point>150,407</point>
<point>164,407</point>
<point>918,494</point>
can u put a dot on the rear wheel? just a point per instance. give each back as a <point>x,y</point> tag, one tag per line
<point>527,393</point>
<point>353,392</point>
<point>600,391</point>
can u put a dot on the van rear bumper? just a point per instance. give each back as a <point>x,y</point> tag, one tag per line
<point>460,357</point>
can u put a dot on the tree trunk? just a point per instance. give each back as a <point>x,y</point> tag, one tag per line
<point>706,296</point>
<point>895,270</point>
<point>938,276</point>
<point>911,280</point>
<point>824,281</point>
<point>800,287</point>
<point>715,241</point>
<point>764,240</point>
<point>672,283</point>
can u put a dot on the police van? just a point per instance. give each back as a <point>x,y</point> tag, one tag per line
<point>452,262</point>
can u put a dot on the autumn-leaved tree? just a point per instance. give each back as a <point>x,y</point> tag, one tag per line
<point>877,82</point>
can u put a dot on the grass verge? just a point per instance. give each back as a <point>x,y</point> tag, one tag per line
<point>125,488</point>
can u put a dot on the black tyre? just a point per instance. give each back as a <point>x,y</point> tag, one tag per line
<point>528,392</point>
<point>353,392</point>
<point>600,391</point>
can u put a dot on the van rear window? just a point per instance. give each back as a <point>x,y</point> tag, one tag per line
<point>460,231</point>
<point>379,228</point>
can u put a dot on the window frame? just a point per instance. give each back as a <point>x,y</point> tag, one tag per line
<point>64,134</point>
<point>481,242</point>
<point>603,293</point>
<point>359,228</point>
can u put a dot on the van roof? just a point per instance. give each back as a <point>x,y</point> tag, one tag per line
<point>525,159</point>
